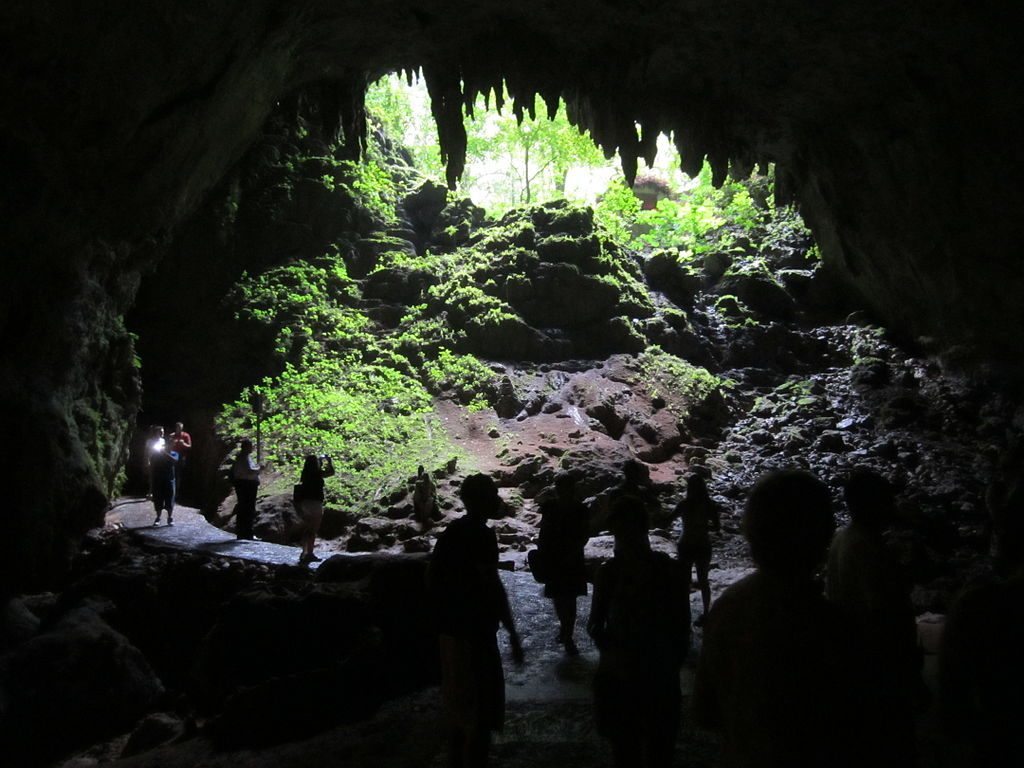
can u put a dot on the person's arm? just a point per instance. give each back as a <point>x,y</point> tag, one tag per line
<point>504,609</point>
<point>714,516</point>
<point>328,471</point>
<point>597,624</point>
<point>186,440</point>
<point>505,615</point>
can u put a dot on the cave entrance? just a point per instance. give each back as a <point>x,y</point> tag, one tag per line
<point>366,303</point>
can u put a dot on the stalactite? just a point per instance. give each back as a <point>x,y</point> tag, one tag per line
<point>691,154</point>
<point>443,86</point>
<point>551,96</point>
<point>719,161</point>
<point>649,142</point>
<point>341,107</point>
<point>353,115</point>
<point>741,165</point>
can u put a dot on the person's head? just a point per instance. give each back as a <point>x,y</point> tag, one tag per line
<point>310,464</point>
<point>788,522</point>
<point>696,487</point>
<point>628,524</point>
<point>157,430</point>
<point>632,472</point>
<point>870,498</point>
<point>178,427</point>
<point>420,470</point>
<point>246,445</point>
<point>565,485</point>
<point>479,496</point>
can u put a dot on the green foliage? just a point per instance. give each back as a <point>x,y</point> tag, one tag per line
<point>372,187</point>
<point>703,219</point>
<point>786,228</point>
<point>470,379</point>
<point>508,162</point>
<point>617,212</point>
<point>305,303</point>
<point>344,389</point>
<point>373,420</point>
<point>664,374</point>
<point>514,163</point>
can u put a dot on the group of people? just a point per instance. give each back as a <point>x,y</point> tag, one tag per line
<point>165,460</point>
<point>308,495</point>
<point>792,672</point>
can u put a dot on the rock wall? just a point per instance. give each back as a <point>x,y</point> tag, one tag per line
<point>895,124</point>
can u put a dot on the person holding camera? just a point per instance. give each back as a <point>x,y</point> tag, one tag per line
<point>309,499</point>
<point>162,474</point>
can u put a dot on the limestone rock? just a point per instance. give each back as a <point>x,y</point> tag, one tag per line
<point>74,684</point>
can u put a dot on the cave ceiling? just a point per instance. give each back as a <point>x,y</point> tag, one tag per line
<point>143,104</point>
<point>893,123</point>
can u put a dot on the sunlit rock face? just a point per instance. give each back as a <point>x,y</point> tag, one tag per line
<point>893,124</point>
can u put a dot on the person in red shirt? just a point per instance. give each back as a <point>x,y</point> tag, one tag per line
<point>181,443</point>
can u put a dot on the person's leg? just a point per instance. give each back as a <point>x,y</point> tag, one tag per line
<point>661,726</point>
<point>478,744</point>
<point>456,747</point>
<point>158,502</point>
<point>703,568</point>
<point>565,609</point>
<point>316,516</point>
<point>246,511</point>
<point>172,492</point>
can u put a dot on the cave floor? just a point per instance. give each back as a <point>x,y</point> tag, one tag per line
<point>192,532</point>
<point>549,717</point>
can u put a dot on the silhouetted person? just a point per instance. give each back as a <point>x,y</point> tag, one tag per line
<point>981,661</point>
<point>634,490</point>
<point>311,501</point>
<point>470,603</point>
<point>424,496</point>
<point>866,582</point>
<point>181,443</point>
<point>640,621</point>
<point>1004,497</point>
<point>154,443</point>
<point>777,675</point>
<point>564,530</point>
<point>245,477</point>
<point>700,515</point>
<point>162,469</point>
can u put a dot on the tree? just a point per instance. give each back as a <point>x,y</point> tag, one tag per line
<point>519,163</point>
<point>507,162</point>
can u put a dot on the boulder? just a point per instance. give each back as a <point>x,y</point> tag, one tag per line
<point>295,706</point>
<point>17,624</point>
<point>664,272</point>
<point>561,296</point>
<point>759,292</point>
<point>582,252</point>
<point>563,218</point>
<point>715,266</point>
<point>656,438</point>
<point>423,205</point>
<point>400,285</point>
<point>76,683</point>
<point>269,631</point>
<point>154,730</point>
<point>511,338</point>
